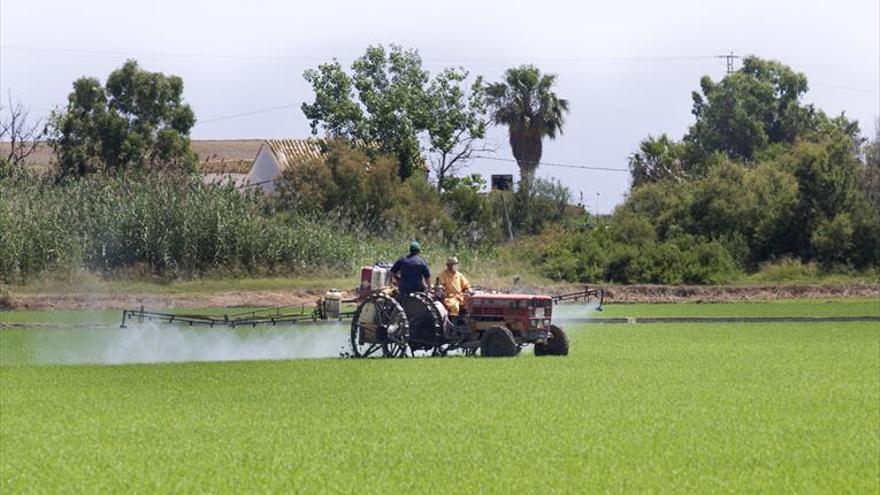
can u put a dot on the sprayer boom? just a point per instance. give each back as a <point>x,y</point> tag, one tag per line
<point>268,316</point>
<point>584,295</point>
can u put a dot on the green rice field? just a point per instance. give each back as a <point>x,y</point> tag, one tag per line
<point>683,408</point>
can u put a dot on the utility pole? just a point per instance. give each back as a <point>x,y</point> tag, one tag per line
<point>730,58</point>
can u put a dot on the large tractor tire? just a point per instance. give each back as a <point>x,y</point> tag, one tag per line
<point>498,342</point>
<point>557,345</point>
<point>426,317</point>
<point>379,328</point>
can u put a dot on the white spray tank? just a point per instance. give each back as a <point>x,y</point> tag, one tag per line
<point>332,303</point>
<point>379,277</point>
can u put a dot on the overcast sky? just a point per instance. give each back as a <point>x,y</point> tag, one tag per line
<point>627,67</point>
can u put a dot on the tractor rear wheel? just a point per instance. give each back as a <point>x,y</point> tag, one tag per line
<point>426,317</point>
<point>557,345</point>
<point>498,342</point>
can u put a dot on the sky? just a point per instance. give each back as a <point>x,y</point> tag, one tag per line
<point>626,67</point>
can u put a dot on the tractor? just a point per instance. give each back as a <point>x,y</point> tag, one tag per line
<point>388,324</point>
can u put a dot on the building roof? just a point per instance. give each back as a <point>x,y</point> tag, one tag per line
<point>216,156</point>
<point>289,152</point>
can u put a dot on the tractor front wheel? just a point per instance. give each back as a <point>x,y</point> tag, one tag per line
<point>498,342</point>
<point>557,345</point>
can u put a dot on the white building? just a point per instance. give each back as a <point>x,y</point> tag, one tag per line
<point>275,156</point>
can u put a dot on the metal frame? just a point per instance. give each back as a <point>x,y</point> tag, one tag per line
<point>268,316</point>
<point>585,295</point>
<point>292,314</point>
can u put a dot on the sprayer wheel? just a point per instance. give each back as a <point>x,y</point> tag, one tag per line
<point>386,333</point>
<point>394,350</point>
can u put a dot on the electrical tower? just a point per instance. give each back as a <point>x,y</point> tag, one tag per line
<point>730,58</point>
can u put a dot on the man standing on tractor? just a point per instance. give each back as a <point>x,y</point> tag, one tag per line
<point>411,272</point>
<point>454,285</point>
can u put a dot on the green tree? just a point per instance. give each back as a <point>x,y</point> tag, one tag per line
<point>389,104</point>
<point>827,176</point>
<point>870,178</point>
<point>345,180</point>
<point>659,158</point>
<point>457,122</point>
<point>478,217</point>
<point>832,239</point>
<point>539,204</point>
<point>749,109</point>
<point>138,119</point>
<point>526,104</point>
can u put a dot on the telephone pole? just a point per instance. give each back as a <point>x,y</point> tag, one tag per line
<point>730,58</point>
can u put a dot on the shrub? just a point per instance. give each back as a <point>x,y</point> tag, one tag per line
<point>786,270</point>
<point>628,228</point>
<point>537,204</point>
<point>708,263</point>
<point>832,240</point>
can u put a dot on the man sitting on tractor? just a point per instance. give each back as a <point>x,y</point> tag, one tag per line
<point>411,272</point>
<point>454,285</point>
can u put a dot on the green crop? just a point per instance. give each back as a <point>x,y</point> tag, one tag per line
<point>686,408</point>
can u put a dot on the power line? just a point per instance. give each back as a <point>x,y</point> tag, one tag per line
<point>246,114</point>
<point>846,88</point>
<point>837,70</point>
<point>564,165</point>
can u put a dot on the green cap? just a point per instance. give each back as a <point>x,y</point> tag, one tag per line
<point>415,247</point>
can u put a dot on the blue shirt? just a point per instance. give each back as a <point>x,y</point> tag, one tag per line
<point>412,269</point>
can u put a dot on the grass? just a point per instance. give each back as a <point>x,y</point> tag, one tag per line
<point>793,271</point>
<point>635,408</point>
<point>796,307</point>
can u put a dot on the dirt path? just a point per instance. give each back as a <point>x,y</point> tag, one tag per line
<point>122,301</point>
<point>614,295</point>
<point>697,293</point>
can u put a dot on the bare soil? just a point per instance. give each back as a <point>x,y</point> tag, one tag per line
<point>122,301</point>
<point>621,294</point>
<point>709,294</point>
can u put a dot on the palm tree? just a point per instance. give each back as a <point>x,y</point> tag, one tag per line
<point>531,110</point>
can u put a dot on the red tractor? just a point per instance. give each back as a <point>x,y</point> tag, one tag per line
<point>495,324</point>
<point>385,324</point>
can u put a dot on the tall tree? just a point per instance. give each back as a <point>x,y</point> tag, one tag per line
<point>457,123</point>
<point>389,104</point>
<point>526,103</point>
<point>138,119</point>
<point>749,109</point>
<point>871,173</point>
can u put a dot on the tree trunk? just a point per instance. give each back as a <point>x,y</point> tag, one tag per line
<point>527,149</point>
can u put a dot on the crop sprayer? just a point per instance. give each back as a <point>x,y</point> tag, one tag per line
<point>386,324</point>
